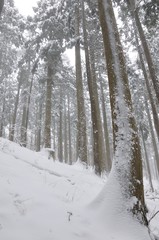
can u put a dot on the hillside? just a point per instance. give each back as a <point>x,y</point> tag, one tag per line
<point>45,200</point>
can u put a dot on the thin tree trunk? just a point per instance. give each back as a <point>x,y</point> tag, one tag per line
<point>28,105</point>
<point>146,159</point>
<point>25,116</point>
<point>47,128</point>
<point>152,135</point>
<point>69,132</point>
<point>2,119</point>
<point>11,138</point>
<point>23,124</point>
<point>56,139</point>
<point>53,132</point>
<point>65,135</point>
<point>81,124</point>
<point>60,137</point>
<point>153,106</point>
<point>106,133</point>
<point>134,12</point>
<point>39,125</point>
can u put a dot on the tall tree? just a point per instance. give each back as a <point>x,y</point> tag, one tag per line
<point>60,134</point>
<point>127,161</point>
<point>11,35</point>
<point>134,12</point>
<point>98,147</point>
<point>81,122</point>
<point>20,79</point>
<point>47,131</point>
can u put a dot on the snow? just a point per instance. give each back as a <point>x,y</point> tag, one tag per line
<point>43,199</point>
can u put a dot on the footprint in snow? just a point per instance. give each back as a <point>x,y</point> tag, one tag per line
<point>19,204</point>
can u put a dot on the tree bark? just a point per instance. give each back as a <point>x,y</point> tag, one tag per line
<point>134,12</point>
<point>23,124</point>
<point>146,159</point>
<point>153,106</point>
<point>156,153</point>
<point>81,124</point>
<point>28,106</point>
<point>69,131</point>
<point>11,137</point>
<point>2,118</point>
<point>106,132</point>
<point>99,161</point>
<point>47,128</point>
<point>60,134</point>
<point>127,153</point>
<point>39,125</point>
<point>65,134</point>
<point>25,116</point>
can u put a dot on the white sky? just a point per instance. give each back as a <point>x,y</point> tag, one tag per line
<point>25,7</point>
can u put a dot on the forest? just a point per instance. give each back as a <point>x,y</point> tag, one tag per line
<point>102,110</point>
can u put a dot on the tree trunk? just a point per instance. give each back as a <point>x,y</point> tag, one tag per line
<point>54,131</point>
<point>47,129</point>
<point>2,118</point>
<point>81,124</point>
<point>106,133</point>
<point>127,153</point>
<point>152,135</point>
<point>23,124</point>
<point>134,12</point>
<point>60,137</point>
<point>98,151</point>
<point>28,106</point>
<point>146,159</point>
<point>69,132</point>
<point>11,138</point>
<point>153,106</point>
<point>39,125</point>
<point>65,134</point>
<point>25,116</point>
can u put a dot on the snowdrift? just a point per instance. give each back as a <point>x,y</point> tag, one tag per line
<point>45,200</point>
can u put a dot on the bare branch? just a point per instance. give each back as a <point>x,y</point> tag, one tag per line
<point>153,216</point>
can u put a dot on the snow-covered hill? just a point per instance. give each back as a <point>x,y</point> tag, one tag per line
<point>45,200</point>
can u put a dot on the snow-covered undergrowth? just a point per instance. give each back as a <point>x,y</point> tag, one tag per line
<point>45,200</point>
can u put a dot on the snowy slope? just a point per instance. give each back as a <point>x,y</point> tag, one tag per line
<point>45,200</point>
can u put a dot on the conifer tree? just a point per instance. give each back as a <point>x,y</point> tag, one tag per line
<point>127,162</point>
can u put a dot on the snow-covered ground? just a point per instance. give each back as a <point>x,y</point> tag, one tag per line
<point>45,200</point>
